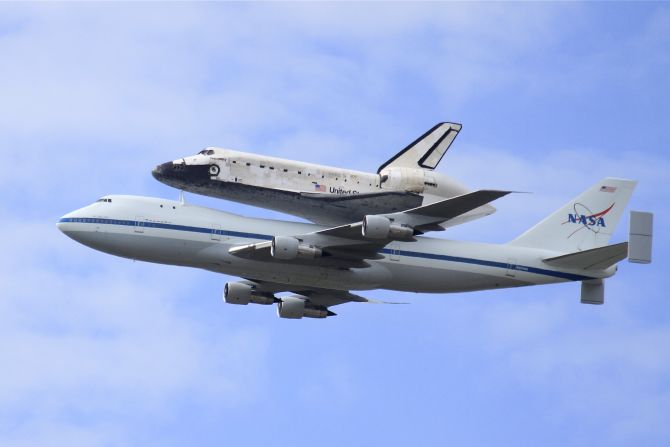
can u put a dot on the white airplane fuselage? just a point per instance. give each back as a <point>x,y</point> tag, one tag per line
<point>170,232</point>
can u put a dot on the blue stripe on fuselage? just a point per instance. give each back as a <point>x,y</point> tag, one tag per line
<point>165,226</point>
<point>412,254</point>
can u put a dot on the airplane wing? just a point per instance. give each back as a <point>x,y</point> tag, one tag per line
<point>310,301</point>
<point>316,295</point>
<point>348,246</point>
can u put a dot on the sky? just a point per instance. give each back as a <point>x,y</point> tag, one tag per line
<point>102,351</point>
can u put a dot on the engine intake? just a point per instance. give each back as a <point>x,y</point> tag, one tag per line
<point>241,293</point>
<point>380,227</point>
<point>295,307</point>
<point>286,247</point>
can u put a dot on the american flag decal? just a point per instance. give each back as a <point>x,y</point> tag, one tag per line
<point>607,188</point>
<point>319,188</point>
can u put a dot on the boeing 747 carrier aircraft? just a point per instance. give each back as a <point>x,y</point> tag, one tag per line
<point>323,194</point>
<point>321,266</point>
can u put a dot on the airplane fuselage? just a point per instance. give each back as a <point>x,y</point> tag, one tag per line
<point>169,232</point>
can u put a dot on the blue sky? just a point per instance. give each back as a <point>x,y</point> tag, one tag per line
<point>102,351</point>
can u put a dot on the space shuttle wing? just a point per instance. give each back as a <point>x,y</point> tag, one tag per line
<point>350,245</point>
<point>336,209</point>
<point>415,198</point>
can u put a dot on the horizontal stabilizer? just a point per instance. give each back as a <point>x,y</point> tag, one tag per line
<point>594,259</point>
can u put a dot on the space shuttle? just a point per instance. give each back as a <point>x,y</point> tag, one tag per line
<point>322,194</point>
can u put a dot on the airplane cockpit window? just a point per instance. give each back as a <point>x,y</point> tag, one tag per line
<point>206,152</point>
<point>104,200</point>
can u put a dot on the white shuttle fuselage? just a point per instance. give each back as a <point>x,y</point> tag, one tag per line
<point>323,194</point>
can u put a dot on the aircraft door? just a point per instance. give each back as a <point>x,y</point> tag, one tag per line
<point>394,255</point>
<point>238,171</point>
<point>216,232</point>
<point>224,168</point>
<point>139,224</point>
<point>511,268</point>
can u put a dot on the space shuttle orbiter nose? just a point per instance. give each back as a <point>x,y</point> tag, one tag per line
<point>180,175</point>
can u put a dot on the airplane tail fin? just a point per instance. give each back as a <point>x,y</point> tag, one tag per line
<point>585,222</point>
<point>426,151</point>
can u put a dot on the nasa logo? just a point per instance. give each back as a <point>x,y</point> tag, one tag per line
<point>586,220</point>
<point>589,220</point>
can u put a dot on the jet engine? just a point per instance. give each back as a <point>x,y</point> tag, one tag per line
<point>286,247</point>
<point>295,307</point>
<point>380,227</point>
<point>241,293</point>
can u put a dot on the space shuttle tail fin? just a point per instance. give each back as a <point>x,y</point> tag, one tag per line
<point>426,151</point>
<point>586,222</point>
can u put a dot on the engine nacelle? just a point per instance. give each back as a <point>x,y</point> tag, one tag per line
<point>241,293</point>
<point>286,247</point>
<point>295,307</point>
<point>380,227</point>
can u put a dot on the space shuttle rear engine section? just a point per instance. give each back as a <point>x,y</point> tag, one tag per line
<point>404,179</point>
<point>287,248</point>
<point>380,227</point>
<point>241,293</point>
<point>295,307</point>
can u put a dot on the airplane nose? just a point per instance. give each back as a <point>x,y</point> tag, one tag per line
<point>78,226</point>
<point>68,223</point>
<point>64,224</point>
